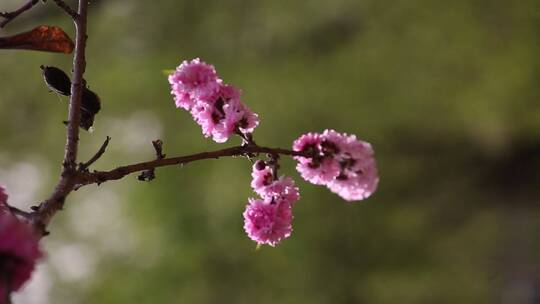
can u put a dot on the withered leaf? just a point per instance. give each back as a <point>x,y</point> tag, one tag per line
<point>42,38</point>
<point>57,80</point>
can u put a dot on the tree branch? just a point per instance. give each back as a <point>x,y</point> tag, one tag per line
<point>10,16</point>
<point>98,177</point>
<point>46,210</point>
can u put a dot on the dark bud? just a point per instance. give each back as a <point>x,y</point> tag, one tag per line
<point>90,106</point>
<point>90,101</point>
<point>260,165</point>
<point>56,80</point>
<point>87,120</point>
<point>59,82</point>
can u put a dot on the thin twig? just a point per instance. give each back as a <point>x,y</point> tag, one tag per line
<point>10,16</point>
<point>66,8</point>
<point>99,153</point>
<point>98,177</point>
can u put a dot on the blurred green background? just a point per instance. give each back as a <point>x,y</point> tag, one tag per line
<point>447,93</point>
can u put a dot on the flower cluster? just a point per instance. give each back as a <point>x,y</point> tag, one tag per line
<point>342,162</point>
<point>215,106</point>
<point>339,161</point>
<point>19,251</point>
<point>268,220</point>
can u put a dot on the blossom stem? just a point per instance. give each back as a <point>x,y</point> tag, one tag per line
<point>98,177</point>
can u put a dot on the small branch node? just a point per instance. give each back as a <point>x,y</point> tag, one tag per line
<point>150,174</point>
<point>158,146</point>
<point>83,167</point>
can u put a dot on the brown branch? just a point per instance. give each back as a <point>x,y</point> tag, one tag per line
<point>79,66</point>
<point>99,153</point>
<point>98,177</point>
<point>10,16</point>
<point>66,8</point>
<point>55,202</point>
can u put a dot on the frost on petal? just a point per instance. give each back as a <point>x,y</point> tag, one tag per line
<point>19,251</point>
<point>267,223</point>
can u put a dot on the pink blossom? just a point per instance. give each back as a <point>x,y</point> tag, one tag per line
<point>320,169</point>
<point>283,190</point>
<point>267,222</point>
<point>215,120</point>
<point>271,189</point>
<point>342,162</point>
<point>248,120</point>
<point>215,106</point>
<point>191,81</point>
<point>262,177</point>
<point>224,114</point>
<point>19,251</point>
<point>358,177</point>
<point>218,118</point>
<point>357,181</point>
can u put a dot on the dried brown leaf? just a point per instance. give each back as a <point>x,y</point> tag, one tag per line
<point>43,38</point>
